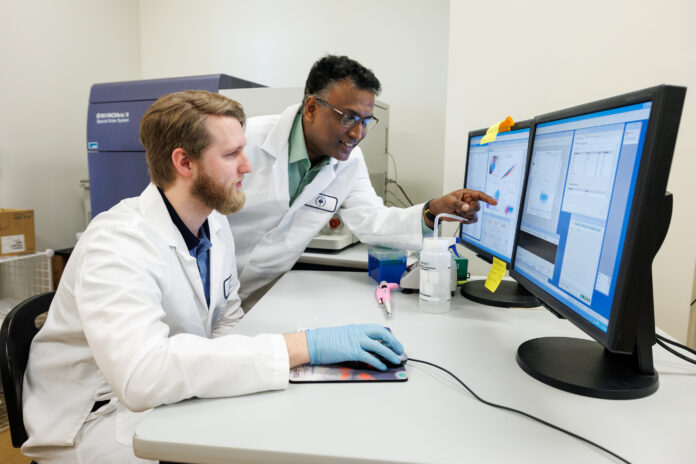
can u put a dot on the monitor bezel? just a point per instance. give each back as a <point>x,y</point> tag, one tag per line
<point>480,252</point>
<point>649,192</point>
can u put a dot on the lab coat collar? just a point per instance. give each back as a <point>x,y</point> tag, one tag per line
<point>276,142</point>
<point>153,207</point>
<point>155,211</point>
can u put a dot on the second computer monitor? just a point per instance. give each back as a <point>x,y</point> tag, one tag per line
<point>498,169</point>
<point>593,216</point>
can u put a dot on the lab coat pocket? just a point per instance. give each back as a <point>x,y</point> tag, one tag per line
<point>126,422</point>
<point>103,411</point>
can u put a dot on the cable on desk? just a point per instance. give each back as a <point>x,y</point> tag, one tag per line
<point>507,408</point>
<point>662,341</point>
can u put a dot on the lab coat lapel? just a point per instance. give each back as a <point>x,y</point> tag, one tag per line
<point>276,143</point>
<point>155,211</point>
<point>317,186</point>
<point>190,267</point>
<point>217,271</point>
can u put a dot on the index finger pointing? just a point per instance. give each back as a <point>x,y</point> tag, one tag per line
<point>478,195</point>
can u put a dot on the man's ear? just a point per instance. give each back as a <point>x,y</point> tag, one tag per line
<point>182,163</point>
<point>310,108</point>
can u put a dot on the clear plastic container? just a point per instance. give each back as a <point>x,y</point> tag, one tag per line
<point>435,275</point>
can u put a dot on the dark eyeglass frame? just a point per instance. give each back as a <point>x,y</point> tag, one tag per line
<point>348,120</point>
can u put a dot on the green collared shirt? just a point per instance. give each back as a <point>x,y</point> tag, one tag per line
<point>300,169</point>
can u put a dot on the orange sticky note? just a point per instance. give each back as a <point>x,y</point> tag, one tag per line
<point>492,132</point>
<point>495,275</point>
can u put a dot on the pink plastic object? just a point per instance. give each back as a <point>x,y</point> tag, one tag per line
<point>383,295</point>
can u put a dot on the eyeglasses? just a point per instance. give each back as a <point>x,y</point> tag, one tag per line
<point>350,120</point>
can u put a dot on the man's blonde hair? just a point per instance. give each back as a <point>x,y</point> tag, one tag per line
<point>178,120</point>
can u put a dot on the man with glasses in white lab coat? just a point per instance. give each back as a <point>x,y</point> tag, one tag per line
<point>307,167</point>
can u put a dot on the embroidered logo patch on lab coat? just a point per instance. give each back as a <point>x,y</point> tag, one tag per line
<point>324,203</point>
<point>227,287</point>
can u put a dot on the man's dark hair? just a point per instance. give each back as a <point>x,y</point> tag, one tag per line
<point>331,69</point>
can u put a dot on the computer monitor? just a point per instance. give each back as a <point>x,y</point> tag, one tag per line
<point>497,168</point>
<point>594,214</point>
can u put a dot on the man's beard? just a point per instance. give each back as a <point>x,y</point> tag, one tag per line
<point>214,195</point>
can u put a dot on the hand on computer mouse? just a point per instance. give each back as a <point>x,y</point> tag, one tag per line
<point>364,366</point>
<point>354,343</point>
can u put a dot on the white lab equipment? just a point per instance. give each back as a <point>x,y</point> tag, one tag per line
<point>333,236</point>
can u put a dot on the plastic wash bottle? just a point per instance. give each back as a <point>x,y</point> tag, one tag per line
<point>435,271</point>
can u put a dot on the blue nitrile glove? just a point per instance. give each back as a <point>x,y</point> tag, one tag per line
<point>353,343</point>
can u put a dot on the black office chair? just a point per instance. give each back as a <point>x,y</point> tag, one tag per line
<point>18,329</point>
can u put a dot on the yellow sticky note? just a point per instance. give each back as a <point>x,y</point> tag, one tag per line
<point>492,132</point>
<point>495,275</point>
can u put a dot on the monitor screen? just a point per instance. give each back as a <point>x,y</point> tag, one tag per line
<point>593,215</point>
<point>581,184</point>
<point>496,168</point>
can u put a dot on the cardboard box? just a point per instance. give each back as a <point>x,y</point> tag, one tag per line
<point>16,232</point>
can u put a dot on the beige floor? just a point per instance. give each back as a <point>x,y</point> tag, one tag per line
<point>8,454</point>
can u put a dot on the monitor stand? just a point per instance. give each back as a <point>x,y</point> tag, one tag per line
<point>586,368</point>
<point>509,294</point>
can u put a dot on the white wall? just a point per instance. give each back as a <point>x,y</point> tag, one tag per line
<point>528,58</point>
<point>51,53</point>
<point>275,43</point>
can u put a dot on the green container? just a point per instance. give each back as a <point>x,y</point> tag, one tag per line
<point>462,269</point>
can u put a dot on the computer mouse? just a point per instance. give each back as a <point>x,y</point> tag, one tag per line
<point>364,366</point>
<point>403,357</point>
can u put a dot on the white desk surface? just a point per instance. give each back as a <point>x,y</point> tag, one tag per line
<point>429,418</point>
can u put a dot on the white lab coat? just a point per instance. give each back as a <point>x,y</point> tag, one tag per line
<point>129,323</point>
<point>270,235</point>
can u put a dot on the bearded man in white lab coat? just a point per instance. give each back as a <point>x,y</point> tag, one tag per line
<point>306,167</point>
<point>145,311</point>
